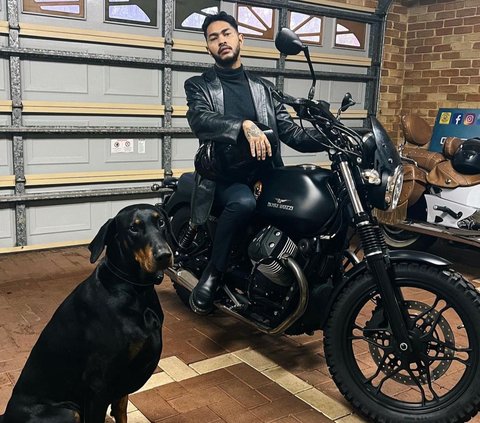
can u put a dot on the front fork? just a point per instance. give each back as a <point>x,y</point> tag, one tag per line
<point>378,262</point>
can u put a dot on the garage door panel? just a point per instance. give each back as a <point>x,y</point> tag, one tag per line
<point>7,217</point>
<point>54,78</point>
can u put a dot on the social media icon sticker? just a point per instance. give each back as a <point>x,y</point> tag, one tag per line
<point>457,118</point>
<point>469,119</point>
<point>445,118</point>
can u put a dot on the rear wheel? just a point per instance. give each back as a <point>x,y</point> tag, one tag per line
<point>400,238</point>
<point>439,381</point>
<point>397,238</point>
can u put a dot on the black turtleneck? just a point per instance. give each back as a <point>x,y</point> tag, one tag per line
<point>237,97</point>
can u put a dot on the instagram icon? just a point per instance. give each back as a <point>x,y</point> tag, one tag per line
<point>469,119</point>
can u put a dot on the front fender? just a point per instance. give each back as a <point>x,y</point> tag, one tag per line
<point>401,255</point>
<point>396,256</point>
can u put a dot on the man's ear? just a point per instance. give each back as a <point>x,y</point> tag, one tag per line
<point>102,238</point>
<point>241,37</point>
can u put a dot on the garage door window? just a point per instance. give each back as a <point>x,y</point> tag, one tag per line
<point>190,15</point>
<point>137,12</point>
<point>350,34</point>
<point>64,8</point>
<point>255,21</point>
<point>307,27</point>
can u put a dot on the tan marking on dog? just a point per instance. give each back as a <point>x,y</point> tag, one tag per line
<point>156,215</point>
<point>145,258</point>
<point>119,409</point>
<point>134,348</point>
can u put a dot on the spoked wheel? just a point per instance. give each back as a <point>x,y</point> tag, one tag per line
<point>439,380</point>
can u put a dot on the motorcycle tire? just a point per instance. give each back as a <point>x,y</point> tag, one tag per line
<point>440,381</point>
<point>398,239</point>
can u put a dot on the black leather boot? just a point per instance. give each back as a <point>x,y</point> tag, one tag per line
<point>202,296</point>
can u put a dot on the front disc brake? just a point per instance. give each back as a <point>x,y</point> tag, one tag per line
<point>389,363</point>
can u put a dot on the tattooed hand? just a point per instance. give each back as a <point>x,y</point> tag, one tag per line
<point>259,144</point>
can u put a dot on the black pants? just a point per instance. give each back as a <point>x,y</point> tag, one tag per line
<point>238,205</point>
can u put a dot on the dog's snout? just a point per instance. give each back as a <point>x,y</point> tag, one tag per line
<point>163,256</point>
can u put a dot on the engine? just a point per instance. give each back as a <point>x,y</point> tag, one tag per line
<point>272,290</point>
<point>267,249</point>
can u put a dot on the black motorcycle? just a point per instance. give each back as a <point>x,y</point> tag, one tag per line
<point>401,328</point>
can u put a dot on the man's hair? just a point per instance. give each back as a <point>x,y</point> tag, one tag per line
<point>221,16</point>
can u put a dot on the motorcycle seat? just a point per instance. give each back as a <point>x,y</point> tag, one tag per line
<point>418,132</point>
<point>415,129</point>
<point>445,176</point>
<point>425,159</point>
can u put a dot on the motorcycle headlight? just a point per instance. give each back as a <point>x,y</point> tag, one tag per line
<point>394,188</point>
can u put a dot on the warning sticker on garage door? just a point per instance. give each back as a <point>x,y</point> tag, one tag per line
<point>122,145</point>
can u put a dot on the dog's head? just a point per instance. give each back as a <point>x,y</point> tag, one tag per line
<point>136,235</point>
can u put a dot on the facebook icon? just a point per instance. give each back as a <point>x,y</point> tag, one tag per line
<point>457,118</point>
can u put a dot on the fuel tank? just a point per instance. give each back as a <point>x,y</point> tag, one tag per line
<point>297,199</point>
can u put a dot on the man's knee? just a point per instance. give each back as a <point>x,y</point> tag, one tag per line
<point>244,204</point>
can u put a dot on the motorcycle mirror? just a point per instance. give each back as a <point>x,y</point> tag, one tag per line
<point>287,42</point>
<point>347,102</point>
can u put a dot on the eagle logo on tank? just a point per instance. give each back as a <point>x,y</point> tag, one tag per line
<point>280,203</point>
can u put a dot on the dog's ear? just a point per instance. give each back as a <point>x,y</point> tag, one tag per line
<point>101,239</point>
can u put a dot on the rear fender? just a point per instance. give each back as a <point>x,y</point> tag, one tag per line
<point>182,195</point>
<point>396,256</point>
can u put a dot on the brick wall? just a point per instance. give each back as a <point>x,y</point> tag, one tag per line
<point>431,59</point>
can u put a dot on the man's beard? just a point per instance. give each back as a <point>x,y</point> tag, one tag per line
<point>228,61</point>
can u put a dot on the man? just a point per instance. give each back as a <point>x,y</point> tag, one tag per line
<point>223,104</point>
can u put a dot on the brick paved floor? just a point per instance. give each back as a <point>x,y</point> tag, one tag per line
<point>213,369</point>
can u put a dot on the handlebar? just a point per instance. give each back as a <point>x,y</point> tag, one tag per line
<point>306,108</point>
<point>318,113</point>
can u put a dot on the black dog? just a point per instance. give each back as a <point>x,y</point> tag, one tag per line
<point>105,339</point>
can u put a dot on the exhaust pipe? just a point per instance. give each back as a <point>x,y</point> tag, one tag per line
<point>187,280</point>
<point>182,277</point>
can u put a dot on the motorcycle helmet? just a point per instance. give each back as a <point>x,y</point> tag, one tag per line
<point>466,159</point>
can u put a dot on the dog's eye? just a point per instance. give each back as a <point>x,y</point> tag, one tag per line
<point>133,228</point>
<point>161,223</point>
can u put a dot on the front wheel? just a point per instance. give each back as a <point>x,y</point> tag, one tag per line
<point>437,382</point>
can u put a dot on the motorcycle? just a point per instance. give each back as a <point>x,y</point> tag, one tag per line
<point>401,332</point>
<point>441,192</point>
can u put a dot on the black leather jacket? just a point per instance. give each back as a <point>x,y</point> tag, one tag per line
<point>206,118</point>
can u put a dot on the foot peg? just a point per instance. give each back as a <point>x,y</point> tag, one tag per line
<point>449,211</point>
